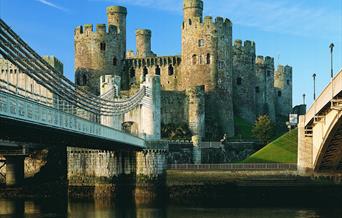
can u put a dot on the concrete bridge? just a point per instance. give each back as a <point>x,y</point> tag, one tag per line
<point>66,116</point>
<point>320,133</point>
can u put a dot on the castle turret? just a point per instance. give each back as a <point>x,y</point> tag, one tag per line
<point>117,17</point>
<point>244,80</point>
<point>283,89</point>
<point>143,43</point>
<point>192,9</point>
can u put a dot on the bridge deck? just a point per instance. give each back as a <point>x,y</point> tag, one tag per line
<point>330,92</point>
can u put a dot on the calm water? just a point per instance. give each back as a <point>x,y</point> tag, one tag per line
<point>103,209</point>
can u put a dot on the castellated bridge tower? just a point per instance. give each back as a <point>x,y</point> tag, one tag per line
<point>244,79</point>
<point>264,88</point>
<point>283,89</point>
<point>143,43</point>
<point>101,51</point>
<point>207,61</point>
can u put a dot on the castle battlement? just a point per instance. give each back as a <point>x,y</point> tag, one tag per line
<point>116,10</point>
<point>246,47</point>
<point>208,23</point>
<point>154,61</point>
<point>267,61</point>
<point>100,29</point>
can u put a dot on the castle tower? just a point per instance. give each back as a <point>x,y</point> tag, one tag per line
<point>207,61</point>
<point>283,89</point>
<point>244,80</point>
<point>100,52</point>
<point>117,17</point>
<point>264,88</point>
<point>192,9</point>
<point>143,43</point>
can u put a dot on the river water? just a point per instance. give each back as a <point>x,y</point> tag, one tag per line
<point>103,209</point>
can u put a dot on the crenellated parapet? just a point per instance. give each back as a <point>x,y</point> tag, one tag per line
<point>101,30</point>
<point>154,61</point>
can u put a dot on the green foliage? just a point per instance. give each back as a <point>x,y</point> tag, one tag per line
<point>243,129</point>
<point>173,131</point>
<point>282,150</point>
<point>263,129</point>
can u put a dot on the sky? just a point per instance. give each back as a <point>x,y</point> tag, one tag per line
<point>295,32</point>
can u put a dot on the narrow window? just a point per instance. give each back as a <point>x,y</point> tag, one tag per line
<point>145,71</point>
<point>115,61</point>
<point>158,70</point>
<point>194,59</point>
<point>103,46</point>
<point>239,81</point>
<point>288,82</point>
<point>257,89</point>
<point>268,73</point>
<point>279,93</point>
<point>190,22</point>
<point>170,70</point>
<point>84,80</point>
<point>132,72</point>
<point>208,59</point>
<point>200,43</point>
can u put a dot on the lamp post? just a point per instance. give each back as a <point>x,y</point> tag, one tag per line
<point>314,83</point>
<point>331,56</point>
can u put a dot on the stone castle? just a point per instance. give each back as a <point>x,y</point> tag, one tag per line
<point>213,81</point>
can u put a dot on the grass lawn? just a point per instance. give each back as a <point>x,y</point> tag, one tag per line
<point>281,150</point>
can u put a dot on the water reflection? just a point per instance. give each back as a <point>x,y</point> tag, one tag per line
<point>129,209</point>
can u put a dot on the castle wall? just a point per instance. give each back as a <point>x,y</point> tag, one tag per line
<point>27,86</point>
<point>283,89</point>
<point>174,107</point>
<point>244,80</point>
<point>264,88</point>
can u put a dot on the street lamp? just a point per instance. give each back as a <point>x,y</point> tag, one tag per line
<point>331,56</point>
<point>314,81</point>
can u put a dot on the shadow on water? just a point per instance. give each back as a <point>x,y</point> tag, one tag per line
<point>127,207</point>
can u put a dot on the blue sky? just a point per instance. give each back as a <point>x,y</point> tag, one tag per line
<point>295,32</point>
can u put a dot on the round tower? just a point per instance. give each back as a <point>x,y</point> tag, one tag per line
<point>193,8</point>
<point>143,43</point>
<point>117,17</point>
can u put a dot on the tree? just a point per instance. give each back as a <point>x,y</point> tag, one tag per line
<point>263,129</point>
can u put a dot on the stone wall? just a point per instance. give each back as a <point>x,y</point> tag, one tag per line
<point>174,107</point>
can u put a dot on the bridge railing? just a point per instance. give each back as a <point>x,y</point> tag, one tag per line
<point>18,108</point>
<point>235,166</point>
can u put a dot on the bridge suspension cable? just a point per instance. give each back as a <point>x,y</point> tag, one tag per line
<point>15,50</point>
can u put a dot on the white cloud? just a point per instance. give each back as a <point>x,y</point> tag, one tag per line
<point>50,4</point>
<point>281,16</point>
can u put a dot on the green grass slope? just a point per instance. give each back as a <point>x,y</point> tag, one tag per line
<point>281,150</point>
